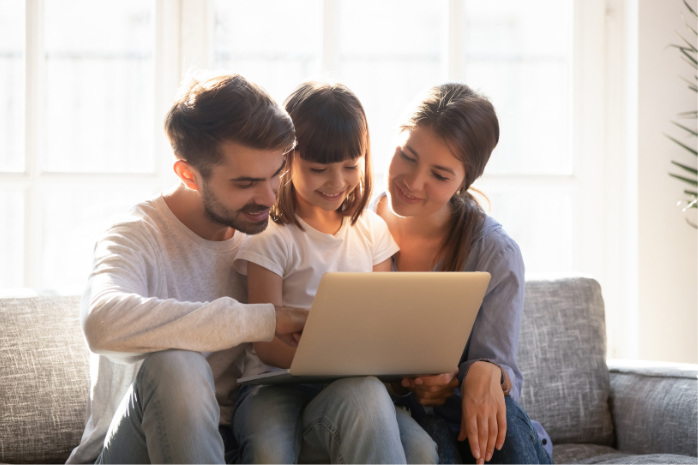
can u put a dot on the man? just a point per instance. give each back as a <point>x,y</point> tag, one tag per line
<point>162,312</point>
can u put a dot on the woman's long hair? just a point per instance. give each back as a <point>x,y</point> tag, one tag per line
<point>467,123</point>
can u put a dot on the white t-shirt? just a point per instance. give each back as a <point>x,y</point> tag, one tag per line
<point>301,258</point>
<point>156,285</point>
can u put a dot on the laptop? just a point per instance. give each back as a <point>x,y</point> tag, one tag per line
<point>389,325</point>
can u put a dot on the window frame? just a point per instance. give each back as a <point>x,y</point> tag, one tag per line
<point>600,150</point>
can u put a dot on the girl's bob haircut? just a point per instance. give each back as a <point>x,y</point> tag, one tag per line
<point>331,127</point>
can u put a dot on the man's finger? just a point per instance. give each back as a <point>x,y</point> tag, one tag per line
<point>436,380</point>
<point>441,388</point>
<point>408,382</point>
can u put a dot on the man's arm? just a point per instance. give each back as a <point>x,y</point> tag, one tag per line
<point>120,320</point>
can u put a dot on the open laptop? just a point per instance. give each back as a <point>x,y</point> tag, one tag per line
<point>388,325</point>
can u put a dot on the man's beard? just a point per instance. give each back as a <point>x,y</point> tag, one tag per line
<point>217,212</point>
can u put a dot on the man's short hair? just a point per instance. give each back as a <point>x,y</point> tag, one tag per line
<point>225,108</point>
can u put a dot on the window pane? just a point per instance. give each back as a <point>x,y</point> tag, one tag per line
<point>541,223</point>
<point>519,54</point>
<point>100,98</point>
<point>11,238</point>
<point>11,85</point>
<point>72,219</point>
<point>275,43</point>
<point>389,51</point>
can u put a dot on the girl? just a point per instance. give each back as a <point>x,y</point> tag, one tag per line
<point>320,225</point>
<point>446,141</point>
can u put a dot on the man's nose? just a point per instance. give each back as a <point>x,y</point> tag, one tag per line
<point>267,196</point>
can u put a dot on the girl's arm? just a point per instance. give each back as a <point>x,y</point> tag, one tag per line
<point>264,286</point>
<point>383,266</point>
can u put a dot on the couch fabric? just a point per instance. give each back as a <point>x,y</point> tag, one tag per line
<point>591,417</point>
<point>44,378</point>
<point>562,356</point>
<point>592,453</point>
<point>650,405</point>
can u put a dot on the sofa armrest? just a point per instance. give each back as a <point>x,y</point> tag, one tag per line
<point>654,407</point>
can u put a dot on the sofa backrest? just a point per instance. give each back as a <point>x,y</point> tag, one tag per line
<point>44,378</point>
<point>562,356</point>
<point>44,369</point>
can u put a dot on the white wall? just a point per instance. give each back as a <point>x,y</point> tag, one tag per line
<point>668,252</point>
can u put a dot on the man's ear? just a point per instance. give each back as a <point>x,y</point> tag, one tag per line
<point>188,174</point>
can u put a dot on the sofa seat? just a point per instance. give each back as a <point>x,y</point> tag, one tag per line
<point>593,453</point>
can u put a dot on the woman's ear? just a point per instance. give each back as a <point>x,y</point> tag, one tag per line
<point>187,174</point>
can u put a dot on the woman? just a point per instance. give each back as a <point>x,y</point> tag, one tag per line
<point>445,143</point>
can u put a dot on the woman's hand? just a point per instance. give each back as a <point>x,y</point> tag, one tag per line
<point>484,421</point>
<point>431,390</point>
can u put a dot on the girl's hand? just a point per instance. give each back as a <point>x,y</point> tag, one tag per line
<point>432,390</point>
<point>484,421</point>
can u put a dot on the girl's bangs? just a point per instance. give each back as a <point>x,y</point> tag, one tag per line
<point>334,141</point>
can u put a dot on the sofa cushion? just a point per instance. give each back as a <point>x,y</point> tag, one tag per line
<point>44,378</point>
<point>655,407</point>
<point>592,453</point>
<point>562,356</point>
<point>575,453</point>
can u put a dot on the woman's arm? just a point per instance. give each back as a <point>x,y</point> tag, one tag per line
<point>490,355</point>
<point>264,286</point>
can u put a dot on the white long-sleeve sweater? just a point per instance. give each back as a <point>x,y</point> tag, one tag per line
<point>156,285</point>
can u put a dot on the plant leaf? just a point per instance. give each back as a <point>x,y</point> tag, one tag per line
<point>689,63</point>
<point>687,168</point>
<point>691,85</point>
<point>692,182</point>
<point>689,27</point>
<point>685,128</point>
<point>694,194</point>
<point>692,60</point>
<point>690,45</point>
<point>689,114</point>
<point>690,9</point>
<point>693,151</point>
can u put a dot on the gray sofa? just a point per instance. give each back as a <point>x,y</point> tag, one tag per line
<point>594,412</point>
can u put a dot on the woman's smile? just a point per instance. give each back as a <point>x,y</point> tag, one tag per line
<point>404,196</point>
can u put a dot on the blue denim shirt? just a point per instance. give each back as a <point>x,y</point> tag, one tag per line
<point>495,334</point>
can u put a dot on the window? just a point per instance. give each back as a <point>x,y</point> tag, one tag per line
<point>85,86</point>
<point>78,132</point>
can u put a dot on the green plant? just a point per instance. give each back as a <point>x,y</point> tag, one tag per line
<point>689,175</point>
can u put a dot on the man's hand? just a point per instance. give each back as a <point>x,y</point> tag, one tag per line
<point>484,421</point>
<point>431,390</point>
<point>289,324</point>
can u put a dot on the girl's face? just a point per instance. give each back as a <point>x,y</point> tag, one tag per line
<point>423,174</point>
<point>326,186</point>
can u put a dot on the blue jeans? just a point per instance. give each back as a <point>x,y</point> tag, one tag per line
<point>521,444</point>
<point>352,420</point>
<point>169,415</point>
